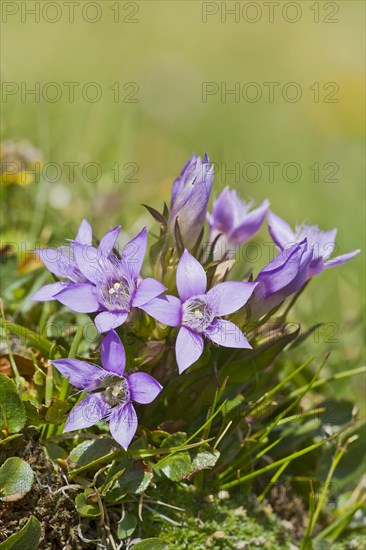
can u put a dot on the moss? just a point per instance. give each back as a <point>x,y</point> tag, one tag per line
<point>214,522</point>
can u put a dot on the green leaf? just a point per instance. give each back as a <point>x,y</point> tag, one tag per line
<point>204,460</point>
<point>178,238</point>
<point>54,451</point>
<point>56,411</point>
<point>12,410</point>
<point>135,478</point>
<point>87,504</point>
<point>176,467</point>
<point>90,450</point>
<point>157,216</point>
<point>175,440</point>
<point>16,479</point>
<point>126,526</point>
<point>150,544</point>
<point>33,417</point>
<point>26,539</point>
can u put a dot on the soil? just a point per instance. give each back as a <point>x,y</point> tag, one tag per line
<point>54,509</point>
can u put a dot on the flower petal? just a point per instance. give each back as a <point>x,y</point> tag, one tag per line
<point>123,424</point>
<point>280,231</point>
<point>113,353</point>
<point>108,320</point>
<point>51,258</point>
<point>134,253</point>
<point>338,260</point>
<point>108,241</point>
<point>191,277</point>
<point>81,374</point>
<point>47,292</point>
<point>287,270</point>
<point>251,224</point>
<point>85,233</point>
<point>79,297</point>
<point>230,296</point>
<point>223,211</point>
<point>165,309</point>
<point>227,334</point>
<point>144,388</point>
<point>324,244</point>
<point>86,258</point>
<point>147,290</point>
<point>87,413</point>
<point>188,348</point>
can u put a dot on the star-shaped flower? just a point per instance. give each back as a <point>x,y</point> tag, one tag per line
<point>111,391</point>
<point>198,313</point>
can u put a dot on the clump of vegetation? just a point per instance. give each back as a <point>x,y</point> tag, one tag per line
<point>172,411</point>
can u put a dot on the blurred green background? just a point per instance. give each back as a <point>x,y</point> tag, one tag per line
<point>166,52</point>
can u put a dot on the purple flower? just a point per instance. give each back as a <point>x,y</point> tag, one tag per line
<point>111,391</point>
<point>321,242</point>
<point>112,284</point>
<point>190,195</point>
<point>233,219</point>
<point>61,261</point>
<point>198,312</point>
<point>283,276</point>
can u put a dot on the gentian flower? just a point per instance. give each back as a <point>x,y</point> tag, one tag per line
<point>189,201</point>
<point>112,284</point>
<point>322,243</point>
<point>61,261</point>
<point>283,276</point>
<point>110,391</point>
<point>198,312</point>
<point>234,219</point>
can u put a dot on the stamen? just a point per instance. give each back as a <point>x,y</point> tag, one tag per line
<point>197,314</point>
<point>114,287</point>
<point>117,392</point>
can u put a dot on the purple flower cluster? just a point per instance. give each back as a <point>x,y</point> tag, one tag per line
<point>99,280</point>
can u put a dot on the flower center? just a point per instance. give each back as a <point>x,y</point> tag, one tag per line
<point>197,314</point>
<point>115,295</point>
<point>115,287</point>
<point>117,392</point>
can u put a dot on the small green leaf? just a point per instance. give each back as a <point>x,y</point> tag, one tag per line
<point>135,478</point>
<point>16,479</point>
<point>33,417</point>
<point>12,410</point>
<point>178,238</point>
<point>54,451</point>
<point>56,412</point>
<point>150,544</point>
<point>26,539</point>
<point>89,451</point>
<point>177,466</point>
<point>87,505</point>
<point>126,526</point>
<point>204,460</point>
<point>175,440</point>
<point>157,216</point>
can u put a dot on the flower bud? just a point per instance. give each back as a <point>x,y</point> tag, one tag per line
<point>190,195</point>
